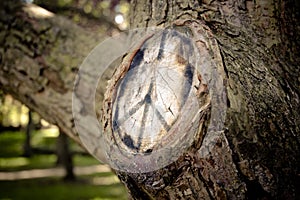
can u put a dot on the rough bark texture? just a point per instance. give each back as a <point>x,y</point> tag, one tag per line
<point>260,52</point>
<point>259,44</point>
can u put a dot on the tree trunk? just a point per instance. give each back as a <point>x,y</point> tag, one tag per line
<point>27,148</point>
<point>256,155</point>
<point>258,152</point>
<point>64,156</point>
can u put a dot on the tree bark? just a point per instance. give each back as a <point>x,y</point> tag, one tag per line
<point>259,45</point>
<point>256,155</point>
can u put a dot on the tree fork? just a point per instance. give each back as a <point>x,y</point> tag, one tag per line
<point>259,45</point>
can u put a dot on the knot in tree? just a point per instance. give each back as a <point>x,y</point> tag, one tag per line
<point>157,104</point>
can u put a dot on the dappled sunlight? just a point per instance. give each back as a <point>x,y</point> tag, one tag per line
<point>51,132</point>
<point>57,172</point>
<point>91,169</point>
<point>38,12</point>
<point>105,180</point>
<point>31,174</point>
<point>13,162</point>
<point>24,115</point>
<point>14,113</point>
<point>119,19</point>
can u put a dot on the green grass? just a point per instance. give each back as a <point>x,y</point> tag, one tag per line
<point>11,144</point>
<point>21,163</point>
<point>11,151</point>
<point>96,186</point>
<point>55,189</point>
<point>40,162</point>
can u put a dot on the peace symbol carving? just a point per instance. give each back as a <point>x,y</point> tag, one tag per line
<point>149,98</point>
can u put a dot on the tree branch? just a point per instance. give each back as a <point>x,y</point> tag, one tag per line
<point>40,54</point>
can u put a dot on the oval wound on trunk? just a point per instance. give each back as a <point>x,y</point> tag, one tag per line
<point>153,94</point>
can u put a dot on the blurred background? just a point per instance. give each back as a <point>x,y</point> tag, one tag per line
<point>37,160</point>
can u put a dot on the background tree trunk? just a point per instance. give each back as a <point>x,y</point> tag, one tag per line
<point>27,148</point>
<point>257,154</point>
<point>64,156</point>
